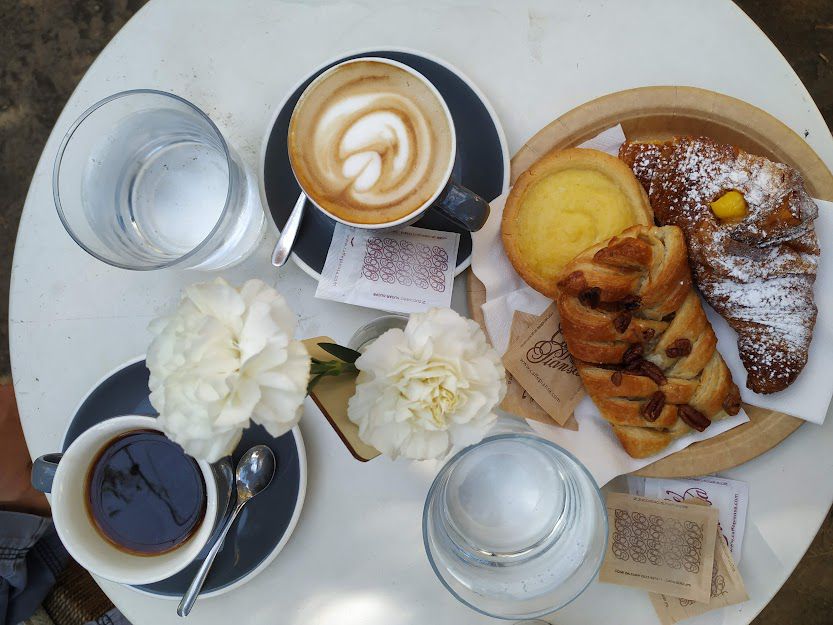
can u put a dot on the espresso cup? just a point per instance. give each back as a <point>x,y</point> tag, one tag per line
<point>372,145</point>
<point>66,477</point>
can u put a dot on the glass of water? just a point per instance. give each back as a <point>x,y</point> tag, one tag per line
<point>514,526</point>
<point>145,180</point>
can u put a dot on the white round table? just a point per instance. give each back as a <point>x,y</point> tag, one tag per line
<point>356,557</point>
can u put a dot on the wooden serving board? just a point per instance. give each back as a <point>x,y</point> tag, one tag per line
<point>661,113</point>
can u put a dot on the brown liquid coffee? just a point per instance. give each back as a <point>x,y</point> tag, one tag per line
<point>144,495</point>
<point>370,142</point>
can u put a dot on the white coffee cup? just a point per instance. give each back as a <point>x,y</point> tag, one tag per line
<point>458,204</point>
<point>66,478</point>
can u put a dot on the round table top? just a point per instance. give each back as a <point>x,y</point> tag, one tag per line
<point>356,556</point>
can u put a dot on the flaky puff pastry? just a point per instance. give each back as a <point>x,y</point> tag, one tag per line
<point>640,339</point>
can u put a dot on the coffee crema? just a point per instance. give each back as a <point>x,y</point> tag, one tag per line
<point>370,142</point>
<point>144,495</point>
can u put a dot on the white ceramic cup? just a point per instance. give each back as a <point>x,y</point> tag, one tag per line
<point>77,531</point>
<point>460,205</point>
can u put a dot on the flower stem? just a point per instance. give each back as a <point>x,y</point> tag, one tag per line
<point>322,368</point>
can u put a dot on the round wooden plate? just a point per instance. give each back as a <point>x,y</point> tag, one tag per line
<point>661,113</point>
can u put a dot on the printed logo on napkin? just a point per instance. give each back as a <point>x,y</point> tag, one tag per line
<point>517,400</point>
<point>660,546</point>
<point>727,588</point>
<point>730,497</point>
<point>543,366</point>
<point>409,270</point>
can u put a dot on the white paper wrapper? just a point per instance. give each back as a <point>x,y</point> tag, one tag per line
<point>807,398</point>
<point>601,452</point>
<point>730,497</point>
<point>594,443</point>
<point>406,271</point>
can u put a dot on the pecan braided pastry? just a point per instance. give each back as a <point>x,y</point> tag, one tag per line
<point>640,340</point>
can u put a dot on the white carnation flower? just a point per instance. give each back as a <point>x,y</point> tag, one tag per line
<point>226,356</point>
<point>428,388</point>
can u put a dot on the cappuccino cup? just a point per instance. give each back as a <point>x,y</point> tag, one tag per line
<point>117,489</point>
<point>372,145</point>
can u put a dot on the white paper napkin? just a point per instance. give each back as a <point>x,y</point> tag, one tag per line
<point>409,270</point>
<point>807,398</point>
<point>594,443</point>
<point>600,451</point>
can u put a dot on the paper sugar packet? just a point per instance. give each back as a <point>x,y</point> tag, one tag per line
<point>517,400</point>
<point>409,270</point>
<point>542,365</point>
<point>660,546</point>
<point>727,588</point>
<point>730,497</point>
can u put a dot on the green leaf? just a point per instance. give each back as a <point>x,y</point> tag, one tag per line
<point>339,351</point>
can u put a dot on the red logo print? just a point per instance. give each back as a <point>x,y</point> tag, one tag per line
<point>406,263</point>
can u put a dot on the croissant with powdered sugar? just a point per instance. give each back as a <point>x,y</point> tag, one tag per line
<point>748,223</point>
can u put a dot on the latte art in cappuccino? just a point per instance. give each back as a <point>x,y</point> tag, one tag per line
<point>371,142</point>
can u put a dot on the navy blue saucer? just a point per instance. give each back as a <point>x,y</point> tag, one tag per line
<point>264,520</point>
<point>479,166</point>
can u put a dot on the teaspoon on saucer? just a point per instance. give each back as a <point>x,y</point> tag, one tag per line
<point>254,473</point>
<point>283,248</point>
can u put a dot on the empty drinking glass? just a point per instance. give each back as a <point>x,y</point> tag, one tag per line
<point>144,180</point>
<point>515,527</point>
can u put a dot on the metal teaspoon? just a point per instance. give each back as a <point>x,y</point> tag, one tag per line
<point>286,240</point>
<point>254,473</point>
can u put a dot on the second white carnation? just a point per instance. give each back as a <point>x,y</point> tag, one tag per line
<point>428,388</point>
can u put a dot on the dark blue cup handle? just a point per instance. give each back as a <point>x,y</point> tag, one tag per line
<point>43,472</point>
<point>465,208</point>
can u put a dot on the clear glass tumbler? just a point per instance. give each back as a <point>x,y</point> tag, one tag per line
<point>145,180</point>
<point>514,526</point>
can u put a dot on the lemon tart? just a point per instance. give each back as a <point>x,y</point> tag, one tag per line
<point>567,201</point>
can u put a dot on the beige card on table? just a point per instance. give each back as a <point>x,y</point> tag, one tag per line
<point>660,546</point>
<point>543,366</point>
<point>726,589</point>
<point>331,395</point>
<point>517,400</point>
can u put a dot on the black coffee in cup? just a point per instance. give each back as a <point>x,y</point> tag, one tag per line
<point>144,495</point>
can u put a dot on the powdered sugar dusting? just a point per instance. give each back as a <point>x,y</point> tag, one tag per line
<point>757,272</point>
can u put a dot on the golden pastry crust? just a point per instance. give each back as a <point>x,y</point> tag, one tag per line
<point>641,341</point>
<point>588,176</point>
<point>757,269</point>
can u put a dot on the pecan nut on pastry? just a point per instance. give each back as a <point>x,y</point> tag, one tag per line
<point>748,223</point>
<point>659,376</point>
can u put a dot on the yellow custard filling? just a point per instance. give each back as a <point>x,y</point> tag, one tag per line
<point>566,212</point>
